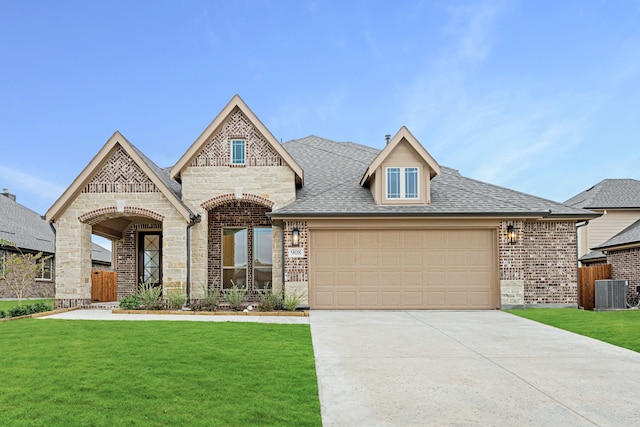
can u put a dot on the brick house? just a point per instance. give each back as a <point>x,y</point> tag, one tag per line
<point>622,251</point>
<point>348,225</point>
<point>618,202</point>
<point>32,234</point>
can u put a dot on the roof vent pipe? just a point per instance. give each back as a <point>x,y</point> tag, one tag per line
<point>387,137</point>
<point>7,193</point>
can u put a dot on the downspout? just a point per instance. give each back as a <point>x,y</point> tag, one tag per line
<point>55,250</point>
<point>584,223</point>
<point>194,219</point>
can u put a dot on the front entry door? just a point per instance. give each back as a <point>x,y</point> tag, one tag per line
<point>150,258</point>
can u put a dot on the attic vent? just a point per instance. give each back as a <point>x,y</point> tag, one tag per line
<point>387,138</point>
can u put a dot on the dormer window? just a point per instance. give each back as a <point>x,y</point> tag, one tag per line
<point>402,183</point>
<point>238,151</point>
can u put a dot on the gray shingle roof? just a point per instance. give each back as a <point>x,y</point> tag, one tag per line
<point>607,194</point>
<point>100,255</point>
<point>333,171</point>
<point>628,236</point>
<point>592,256</point>
<point>29,231</point>
<point>24,227</point>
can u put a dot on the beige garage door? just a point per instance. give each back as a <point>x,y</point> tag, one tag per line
<point>403,269</point>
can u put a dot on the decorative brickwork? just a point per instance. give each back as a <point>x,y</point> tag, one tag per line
<point>236,213</point>
<point>98,215</point>
<point>120,174</point>
<point>625,265</point>
<point>217,152</point>
<point>127,258</point>
<point>296,269</point>
<point>71,302</point>
<point>228,198</point>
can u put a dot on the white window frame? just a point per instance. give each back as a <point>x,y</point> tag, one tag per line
<point>235,142</point>
<point>43,267</point>
<point>403,182</point>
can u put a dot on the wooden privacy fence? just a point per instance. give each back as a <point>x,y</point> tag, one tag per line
<point>104,286</point>
<point>587,277</point>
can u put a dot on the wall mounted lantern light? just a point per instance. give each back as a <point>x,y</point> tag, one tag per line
<point>512,234</point>
<point>295,237</point>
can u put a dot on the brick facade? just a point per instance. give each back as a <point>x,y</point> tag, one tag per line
<point>551,272</point>
<point>241,214</point>
<point>127,256</point>
<point>625,265</point>
<point>40,288</point>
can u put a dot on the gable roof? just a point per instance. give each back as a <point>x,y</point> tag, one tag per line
<point>24,227</point>
<point>609,194</point>
<point>160,177</point>
<point>100,255</point>
<point>402,134</point>
<point>332,188</point>
<point>199,143</point>
<point>630,236</point>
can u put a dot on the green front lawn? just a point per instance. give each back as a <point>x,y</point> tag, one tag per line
<point>165,373</point>
<point>7,304</point>
<point>621,328</point>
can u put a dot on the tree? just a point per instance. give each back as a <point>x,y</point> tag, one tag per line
<point>19,269</point>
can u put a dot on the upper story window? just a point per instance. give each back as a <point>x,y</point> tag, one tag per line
<point>238,152</point>
<point>402,183</point>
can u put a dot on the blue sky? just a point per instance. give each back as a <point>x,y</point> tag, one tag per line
<point>538,96</point>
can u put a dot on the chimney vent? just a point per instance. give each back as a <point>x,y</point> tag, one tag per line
<point>387,137</point>
<point>7,193</point>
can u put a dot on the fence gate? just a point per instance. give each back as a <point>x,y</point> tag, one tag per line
<point>587,277</point>
<point>104,286</point>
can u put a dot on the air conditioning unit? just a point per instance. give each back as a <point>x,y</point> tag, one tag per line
<point>611,294</point>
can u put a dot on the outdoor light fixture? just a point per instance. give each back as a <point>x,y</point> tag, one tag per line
<point>295,237</point>
<point>512,234</point>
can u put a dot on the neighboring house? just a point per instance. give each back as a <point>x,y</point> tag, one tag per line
<point>618,200</point>
<point>347,225</point>
<point>622,251</point>
<point>32,234</point>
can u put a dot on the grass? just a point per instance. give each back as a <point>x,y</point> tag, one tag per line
<point>167,373</point>
<point>7,304</point>
<point>615,327</point>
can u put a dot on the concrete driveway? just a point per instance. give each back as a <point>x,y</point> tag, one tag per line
<point>424,368</point>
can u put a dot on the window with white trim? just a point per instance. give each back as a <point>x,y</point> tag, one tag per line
<point>403,183</point>
<point>44,271</point>
<point>238,151</point>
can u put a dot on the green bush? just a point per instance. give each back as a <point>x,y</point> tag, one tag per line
<point>269,301</point>
<point>22,310</point>
<point>235,297</point>
<point>3,314</point>
<point>149,296</point>
<point>292,301</point>
<point>176,298</point>
<point>210,299</point>
<point>130,302</point>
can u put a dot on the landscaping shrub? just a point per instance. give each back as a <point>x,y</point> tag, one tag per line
<point>176,298</point>
<point>2,314</point>
<point>130,302</point>
<point>269,301</point>
<point>235,297</point>
<point>149,296</point>
<point>292,300</point>
<point>209,301</point>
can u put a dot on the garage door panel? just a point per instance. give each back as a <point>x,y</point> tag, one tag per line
<point>371,269</point>
<point>345,299</point>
